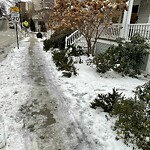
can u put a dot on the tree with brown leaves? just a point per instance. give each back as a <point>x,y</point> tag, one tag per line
<point>90,17</point>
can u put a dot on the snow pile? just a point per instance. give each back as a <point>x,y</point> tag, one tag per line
<point>13,93</point>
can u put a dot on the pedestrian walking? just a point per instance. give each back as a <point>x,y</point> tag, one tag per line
<point>26,26</point>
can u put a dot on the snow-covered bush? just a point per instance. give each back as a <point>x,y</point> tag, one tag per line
<point>133,122</point>
<point>72,50</point>
<point>124,58</point>
<point>142,93</point>
<point>47,44</point>
<point>102,63</point>
<point>64,59</point>
<point>133,115</point>
<point>107,101</point>
<point>64,62</point>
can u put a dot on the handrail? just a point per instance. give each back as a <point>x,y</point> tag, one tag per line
<point>73,38</point>
<point>143,29</point>
<point>112,32</point>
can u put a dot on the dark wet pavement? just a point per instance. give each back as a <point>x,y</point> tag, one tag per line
<point>48,123</point>
<point>37,113</point>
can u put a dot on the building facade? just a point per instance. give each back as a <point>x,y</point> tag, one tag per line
<point>41,8</point>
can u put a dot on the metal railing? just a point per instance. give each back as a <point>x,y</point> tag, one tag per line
<point>111,32</point>
<point>73,38</point>
<point>142,29</point>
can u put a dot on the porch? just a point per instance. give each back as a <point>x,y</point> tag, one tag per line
<point>114,31</point>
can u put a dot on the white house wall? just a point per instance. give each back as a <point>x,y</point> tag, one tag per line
<point>148,65</point>
<point>144,12</point>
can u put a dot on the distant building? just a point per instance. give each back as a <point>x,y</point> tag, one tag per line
<point>40,4</point>
<point>37,5</point>
<point>25,9</point>
<point>40,8</point>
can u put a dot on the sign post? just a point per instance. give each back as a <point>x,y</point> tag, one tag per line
<point>17,36</point>
<point>15,17</point>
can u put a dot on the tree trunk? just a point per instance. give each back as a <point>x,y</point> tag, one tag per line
<point>91,47</point>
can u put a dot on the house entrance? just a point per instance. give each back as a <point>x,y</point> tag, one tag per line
<point>134,15</point>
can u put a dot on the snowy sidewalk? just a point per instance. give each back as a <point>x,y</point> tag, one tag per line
<point>23,98</point>
<point>33,109</point>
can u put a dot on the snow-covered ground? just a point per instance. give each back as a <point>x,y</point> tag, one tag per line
<point>82,89</point>
<point>91,127</point>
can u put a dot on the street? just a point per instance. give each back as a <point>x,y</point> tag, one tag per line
<point>7,38</point>
<point>3,24</point>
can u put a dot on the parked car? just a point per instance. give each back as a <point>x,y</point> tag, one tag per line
<point>11,25</point>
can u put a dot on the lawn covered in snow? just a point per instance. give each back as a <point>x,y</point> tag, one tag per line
<point>83,88</point>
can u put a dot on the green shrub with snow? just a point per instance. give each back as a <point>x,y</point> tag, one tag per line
<point>64,62</point>
<point>142,93</point>
<point>107,101</point>
<point>64,59</point>
<point>72,50</point>
<point>133,122</point>
<point>133,115</point>
<point>102,63</point>
<point>124,58</point>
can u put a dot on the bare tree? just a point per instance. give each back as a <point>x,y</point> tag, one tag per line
<point>88,16</point>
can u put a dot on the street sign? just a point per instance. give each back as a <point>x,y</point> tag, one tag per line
<point>14,9</point>
<point>15,17</point>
